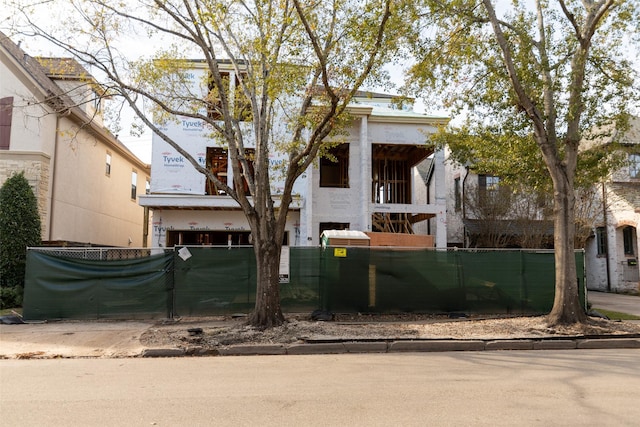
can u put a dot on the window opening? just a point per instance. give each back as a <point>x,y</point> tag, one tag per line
<point>250,154</point>
<point>218,163</point>
<point>457,194</point>
<point>634,165</point>
<point>391,182</point>
<point>601,240</point>
<point>134,182</point>
<point>488,187</point>
<point>213,238</point>
<point>107,170</point>
<point>627,237</point>
<point>238,102</point>
<point>334,169</point>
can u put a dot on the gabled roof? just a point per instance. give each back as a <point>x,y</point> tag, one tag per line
<point>55,98</point>
<point>425,169</point>
<point>64,68</point>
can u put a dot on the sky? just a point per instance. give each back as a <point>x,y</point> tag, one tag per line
<point>141,46</point>
<point>138,47</point>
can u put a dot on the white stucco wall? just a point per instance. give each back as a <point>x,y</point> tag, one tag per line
<point>66,168</point>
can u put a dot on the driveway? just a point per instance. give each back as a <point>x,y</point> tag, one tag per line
<point>629,304</point>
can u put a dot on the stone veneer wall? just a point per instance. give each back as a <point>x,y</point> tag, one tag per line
<point>36,170</point>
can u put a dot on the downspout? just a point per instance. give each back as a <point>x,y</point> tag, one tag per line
<point>52,177</point>
<point>464,207</point>
<point>606,236</point>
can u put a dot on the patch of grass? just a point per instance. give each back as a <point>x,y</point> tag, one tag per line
<point>8,311</point>
<point>616,315</point>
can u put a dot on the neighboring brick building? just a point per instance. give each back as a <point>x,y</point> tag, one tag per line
<point>612,253</point>
<point>86,182</point>
<point>609,215</point>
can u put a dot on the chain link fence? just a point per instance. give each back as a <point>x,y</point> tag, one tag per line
<point>101,253</point>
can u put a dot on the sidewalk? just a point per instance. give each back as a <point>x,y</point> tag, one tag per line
<point>629,304</point>
<point>113,339</point>
<point>73,339</point>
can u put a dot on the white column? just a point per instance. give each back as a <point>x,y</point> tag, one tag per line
<point>365,176</point>
<point>440,189</point>
<point>307,235</point>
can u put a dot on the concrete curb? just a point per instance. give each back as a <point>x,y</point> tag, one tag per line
<point>403,346</point>
<point>609,343</point>
<point>249,350</point>
<point>436,345</point>
<point>162,352</point>
<point>555,345</point>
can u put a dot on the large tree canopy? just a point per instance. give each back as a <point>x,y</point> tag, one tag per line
<point>535,79</point>
<point>297,66</point>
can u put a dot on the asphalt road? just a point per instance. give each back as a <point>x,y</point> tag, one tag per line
<point>525,388</point>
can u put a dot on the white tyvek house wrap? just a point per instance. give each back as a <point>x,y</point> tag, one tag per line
<point>173,174</point>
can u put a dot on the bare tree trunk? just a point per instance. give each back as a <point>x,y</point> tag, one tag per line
<point>566,306</point>
<point>268,311</point>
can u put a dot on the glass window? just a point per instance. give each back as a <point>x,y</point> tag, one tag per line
<point>628,237</point>
<point>601,240</point>
<point>457,194</point>
<point>634,165</point>
<point>488,186</point>
<point>108,165</point>
<point>492,182</point>
<point>488,182</point>
<point>134,182</point>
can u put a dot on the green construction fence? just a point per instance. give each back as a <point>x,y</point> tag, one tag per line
<point>201,281</point>
<point>67,287</point>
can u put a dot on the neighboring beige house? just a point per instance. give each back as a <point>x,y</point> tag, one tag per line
<point>86,182</point>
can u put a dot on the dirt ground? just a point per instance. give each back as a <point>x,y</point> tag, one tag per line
<point>130,338</point>
<point>203,333</point>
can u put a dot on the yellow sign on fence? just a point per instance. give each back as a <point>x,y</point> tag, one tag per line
<point>340,252</point>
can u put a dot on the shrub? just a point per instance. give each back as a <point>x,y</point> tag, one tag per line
<point>19,228</point>
<point>11,297</point>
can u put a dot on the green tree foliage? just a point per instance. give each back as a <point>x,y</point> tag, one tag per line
<point>19,228</point>
<point>535,78</point>
<point>297,65</point>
